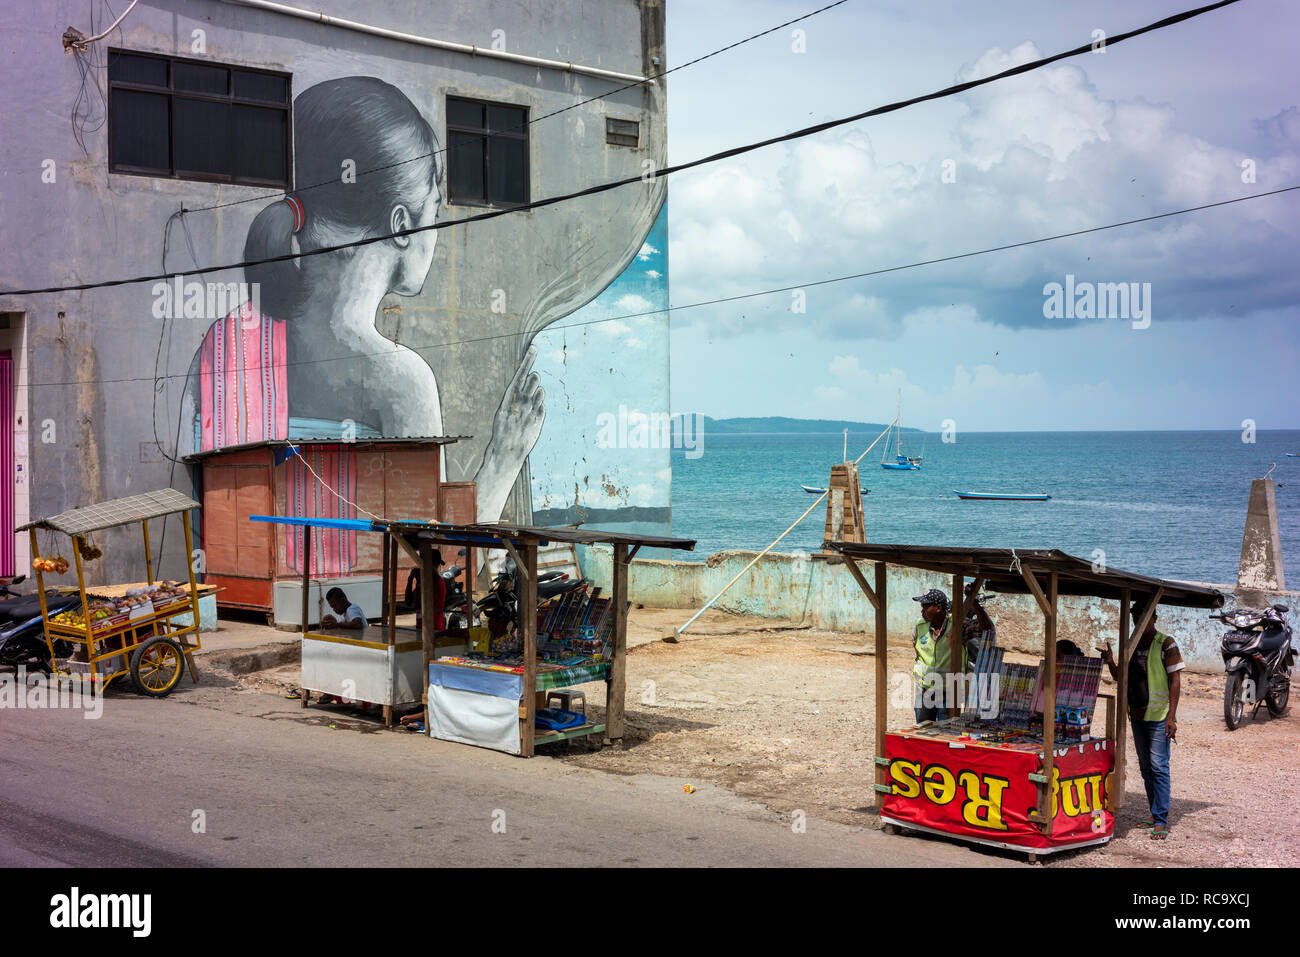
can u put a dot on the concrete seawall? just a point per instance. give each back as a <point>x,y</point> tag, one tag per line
<point>823,595</point>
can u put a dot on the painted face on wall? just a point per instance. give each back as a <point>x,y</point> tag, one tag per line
<point>416,250</point>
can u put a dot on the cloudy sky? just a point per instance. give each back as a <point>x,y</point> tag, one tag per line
<point>1157,123</point>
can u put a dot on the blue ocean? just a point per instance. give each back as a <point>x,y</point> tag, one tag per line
<point>1166,504</point>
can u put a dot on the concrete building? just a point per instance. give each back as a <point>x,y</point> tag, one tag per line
<point>196,134</point>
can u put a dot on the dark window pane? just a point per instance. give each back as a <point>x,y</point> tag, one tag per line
<point>201,137</point>
<point>197,78</point>
<point>140,130</point>
<point>259,143</point>
<point>622,132</point>
<point>261,86</point>
<point>465,167</point>
<point>508,118</point>
<point>463,113</point>
<point>137,69</point>
<point>509,170</point>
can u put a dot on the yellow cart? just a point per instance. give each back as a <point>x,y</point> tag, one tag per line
<point>147,641</point>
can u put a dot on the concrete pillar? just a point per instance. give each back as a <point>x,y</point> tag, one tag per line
<point>1260,571</point>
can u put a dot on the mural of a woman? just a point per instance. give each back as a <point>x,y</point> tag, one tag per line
<point>305,357</point>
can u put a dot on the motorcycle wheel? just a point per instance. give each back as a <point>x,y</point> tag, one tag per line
<point>1277,702</point>
<point>1233,705</point>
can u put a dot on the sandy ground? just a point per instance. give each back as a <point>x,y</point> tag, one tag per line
<point>784,715</point>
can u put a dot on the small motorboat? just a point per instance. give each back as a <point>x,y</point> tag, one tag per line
<point>1004,496</point>
<point>821,491</point>
<point>1293,455</point>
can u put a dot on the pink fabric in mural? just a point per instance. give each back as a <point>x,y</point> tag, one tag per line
<point>243,381</point>
<point>333,551</point>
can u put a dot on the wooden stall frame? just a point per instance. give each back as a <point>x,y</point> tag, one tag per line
<point>418,539</point>
<point>1021,573</point>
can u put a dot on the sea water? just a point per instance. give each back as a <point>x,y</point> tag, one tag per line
<point>1165,504</point>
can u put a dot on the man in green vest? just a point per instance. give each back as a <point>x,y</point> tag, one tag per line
<point>1154,683</point>
<point>931,641</point>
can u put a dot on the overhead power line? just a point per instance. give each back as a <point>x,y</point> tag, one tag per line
<point>665,171</point>
<point>810,284</point>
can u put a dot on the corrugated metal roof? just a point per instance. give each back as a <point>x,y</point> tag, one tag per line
<point>329,440</point>
<point>490,534</point>
<point>120,511</point>
<point>1001,569</point>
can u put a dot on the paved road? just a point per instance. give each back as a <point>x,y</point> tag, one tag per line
<point>274,785</point>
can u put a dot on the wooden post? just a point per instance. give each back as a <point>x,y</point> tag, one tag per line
<point>389,605</point>
<point>882,676</point>
<point>148,552</point>
<point>957,643</point>
<point>528,609</point>
<point>618,667</point>
<point>306,592</point>
<point>428,622</point>
<point>40,590</point>
<point>1049,707</point>
<point>85,615</point>
<point>1121,702</point>
<point>194,594</point>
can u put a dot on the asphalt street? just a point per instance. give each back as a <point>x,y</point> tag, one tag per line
<point>213,776</point>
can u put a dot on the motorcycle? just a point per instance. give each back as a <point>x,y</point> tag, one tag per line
<point>500,606</point>
<point>1257,656</point>
<point>22,628</point>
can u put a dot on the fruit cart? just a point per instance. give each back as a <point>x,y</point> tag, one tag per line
<point>120,630</point>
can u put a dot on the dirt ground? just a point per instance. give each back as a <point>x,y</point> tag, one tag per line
<point>784,715</point>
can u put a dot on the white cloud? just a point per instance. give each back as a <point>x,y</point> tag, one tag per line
<point>647,251</point>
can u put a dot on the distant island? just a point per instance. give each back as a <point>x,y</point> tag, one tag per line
<point>780,423</point>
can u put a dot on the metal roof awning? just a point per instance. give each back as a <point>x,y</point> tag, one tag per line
<point>327,440</point>
<point>490,534</point>
<point>1003,570</point>
<point>121,511</point>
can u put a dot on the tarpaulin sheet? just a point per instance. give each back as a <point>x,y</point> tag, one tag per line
<point>500,684</point>
<point>985,793</point>
<point>469,717</point>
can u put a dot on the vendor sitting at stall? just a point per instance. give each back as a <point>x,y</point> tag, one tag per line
<point>346,614</point>
<point>1154,682</point>
<point>979,630</point>
<point>931,639</point>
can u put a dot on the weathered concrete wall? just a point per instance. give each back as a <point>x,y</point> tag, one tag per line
<point>823,595</point>
<point>92,354</point>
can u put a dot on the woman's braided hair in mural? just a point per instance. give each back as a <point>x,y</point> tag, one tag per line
<point>358,125</point>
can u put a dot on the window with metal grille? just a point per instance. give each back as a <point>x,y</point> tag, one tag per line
<point>190,119</point>
<point>622,132</point>
<point>487,153</point>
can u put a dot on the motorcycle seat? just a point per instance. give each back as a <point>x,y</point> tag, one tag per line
<point>1273,639</point>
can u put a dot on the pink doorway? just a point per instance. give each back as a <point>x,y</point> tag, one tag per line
<point>6,465</point>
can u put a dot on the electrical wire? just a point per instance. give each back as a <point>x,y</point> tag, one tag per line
<point>665,171</point>
<point>811,284</point>
<point>83,45</point>
<point>565,109</point>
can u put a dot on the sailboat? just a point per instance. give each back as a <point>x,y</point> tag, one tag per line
<point>900,462</point>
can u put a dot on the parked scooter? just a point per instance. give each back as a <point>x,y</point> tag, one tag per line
<point>1258,656</point>
<point>22,629</point>
<point>500,606</point>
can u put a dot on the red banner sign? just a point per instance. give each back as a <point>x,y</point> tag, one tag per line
<point>985,793</point>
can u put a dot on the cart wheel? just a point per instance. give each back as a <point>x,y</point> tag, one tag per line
<point>157,667</point>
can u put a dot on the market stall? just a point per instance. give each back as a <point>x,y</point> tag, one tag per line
<point>144,629</point>
<point>491,696</point>
<point>997,772</point>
